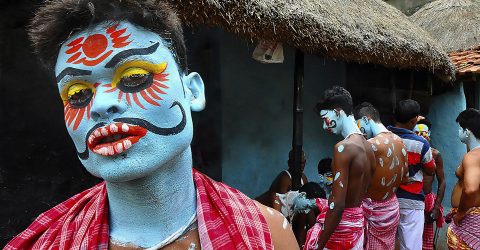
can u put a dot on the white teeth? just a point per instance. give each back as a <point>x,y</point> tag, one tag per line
<point>127,144</point>
<point>104,151</point>
<point>90,139</point>
<point>125,128</point>
<point>96,133</point>
<point>113,128</point>
<point>110,150</point>
<point>119,147</point>
<point>104,131</point>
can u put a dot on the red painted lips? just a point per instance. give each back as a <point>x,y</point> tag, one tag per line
<point>114,138</point>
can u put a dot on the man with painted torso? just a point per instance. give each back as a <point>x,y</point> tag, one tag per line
<point>282,184</point>
<point>464,232</point>
<point>340,225</point>
<point>433,203</point>
<point>420,161</point>
<point>380,206</point>
<point>121,72</point>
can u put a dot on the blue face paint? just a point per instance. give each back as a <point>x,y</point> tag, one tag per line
<point>127,110</point>
<point>339,123</point>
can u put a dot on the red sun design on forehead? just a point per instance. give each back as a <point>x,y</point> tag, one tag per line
<point>92,50</point>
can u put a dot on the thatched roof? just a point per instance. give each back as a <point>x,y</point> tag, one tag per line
<point>455,24</point>
<point>363,31</point>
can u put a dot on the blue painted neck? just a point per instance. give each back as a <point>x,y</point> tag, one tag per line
<point>377,128</point>
<point>146,211</point>
<point>473,142</point>
<point>349,125</point>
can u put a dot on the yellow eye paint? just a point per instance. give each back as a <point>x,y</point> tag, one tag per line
<point>74,87</point>
<point>137,68</point>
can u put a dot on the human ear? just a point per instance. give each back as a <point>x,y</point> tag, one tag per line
<point>196,91</point>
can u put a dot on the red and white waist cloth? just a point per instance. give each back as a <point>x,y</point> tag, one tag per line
<point>227,219</point>
<point>347,235</point>
<point>382,218</point>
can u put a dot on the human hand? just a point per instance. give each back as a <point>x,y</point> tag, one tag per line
<point>457,218</point>
<point>432,215</point>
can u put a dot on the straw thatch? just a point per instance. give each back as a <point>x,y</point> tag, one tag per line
<point>455,24</point>
<point>363,31</point>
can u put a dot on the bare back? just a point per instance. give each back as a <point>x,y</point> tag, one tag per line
<point>391,165</point>
<point>353,156</point>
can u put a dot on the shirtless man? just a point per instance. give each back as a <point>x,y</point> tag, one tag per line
<point>380,206</point>
<point>122,75</point>
<point>352,168</point>
<point>433,204</point>
<point>281,185</point>
<point>464,233</point>
<point>420,161</point>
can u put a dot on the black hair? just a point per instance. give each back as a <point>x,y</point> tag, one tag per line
<point>406,110</point>
<point>313,190</point>
<point>324,165</point>
<point>336,97</point>
<point>56,21</point>
<point>470,119</point>
<point>366,109</point>
<point>425,121</point>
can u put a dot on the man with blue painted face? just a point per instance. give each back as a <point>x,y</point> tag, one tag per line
<point>420,161</point>
<point>464,232</point>
<point>342,227</point>
<point>121,72</point>
<point>380,206</point>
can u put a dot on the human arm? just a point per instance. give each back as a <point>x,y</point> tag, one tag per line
<point>470,189</point>
<point>428,163</point>
<point>336,203</point>
<point>441,185</point>
<point>280,185</point>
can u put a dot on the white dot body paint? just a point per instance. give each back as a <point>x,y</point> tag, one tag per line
<point>389,153</point>
<point>341,184</point>
<point>270,210</point>
<point>192,246</point>
<point>392,180</point>
<point>374,148</point>
<point>383,181</point>
<point>394,189</point>
<point>386,141</point>
<point>340,148</point>
<point>393,146</point>
<point>377,142</point>
<point>337,175</point>
<point>392,165</point>
<point>385,196</point>
<point>381,161</point>
<point>285,223</point>
<point>332,205</point>
<point>404,152</point>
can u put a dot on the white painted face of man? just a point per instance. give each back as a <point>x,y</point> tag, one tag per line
<point>127,103</point>
<point>332,121</point>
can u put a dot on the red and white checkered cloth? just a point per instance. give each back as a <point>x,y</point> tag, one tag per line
<point>80,222</point>
<point>347,234</point>
<point>382,218</point>
<point>428,233</point>
<point>227,219</point>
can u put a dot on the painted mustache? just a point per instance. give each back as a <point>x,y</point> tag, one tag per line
<point>141,123</point>
<point>331,124</point>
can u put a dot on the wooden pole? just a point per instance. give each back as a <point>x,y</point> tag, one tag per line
<point>297,141</point>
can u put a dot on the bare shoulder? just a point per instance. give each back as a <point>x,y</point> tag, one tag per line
<point>280,229</point>
<point>471,158</point>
